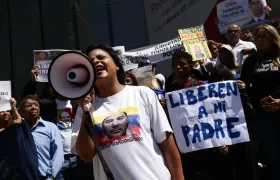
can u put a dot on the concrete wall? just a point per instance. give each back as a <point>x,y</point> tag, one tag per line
<point>21,31</point>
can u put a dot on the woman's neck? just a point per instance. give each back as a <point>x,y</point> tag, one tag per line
<point>110,90</point>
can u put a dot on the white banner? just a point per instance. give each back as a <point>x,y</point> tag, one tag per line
<point>207,116</point>
<point>5,95</point>
<point>242,13</point>
<point>165,17</point>
<point>154,53</point>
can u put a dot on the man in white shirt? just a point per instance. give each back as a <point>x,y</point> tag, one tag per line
<point>240,49</point>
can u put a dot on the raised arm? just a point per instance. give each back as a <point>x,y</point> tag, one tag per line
<point>31,86</point>
<point>16,116</point>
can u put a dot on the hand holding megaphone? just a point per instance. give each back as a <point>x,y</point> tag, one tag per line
<point>86,103</point>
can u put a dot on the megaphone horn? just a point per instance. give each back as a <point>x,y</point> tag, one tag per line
<point>71,75</point>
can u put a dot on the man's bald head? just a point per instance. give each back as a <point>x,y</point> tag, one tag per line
<point>234,26</point>
<point>233,34</point>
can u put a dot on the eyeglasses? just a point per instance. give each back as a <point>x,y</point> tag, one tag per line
<point>30,105</point>
<point>233,31</point>
<point>4,111</point>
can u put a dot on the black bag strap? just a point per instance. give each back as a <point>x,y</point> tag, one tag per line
<point>90,130</point>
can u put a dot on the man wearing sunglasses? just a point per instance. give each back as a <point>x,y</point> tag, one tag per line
<point>240,49</point>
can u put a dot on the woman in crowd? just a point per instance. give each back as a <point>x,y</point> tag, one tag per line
<point>261,74</point>
<point>214,49</point>
<point>130,79</point>
<point>151,150</point>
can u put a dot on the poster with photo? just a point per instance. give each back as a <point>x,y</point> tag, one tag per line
<point>42,59</point>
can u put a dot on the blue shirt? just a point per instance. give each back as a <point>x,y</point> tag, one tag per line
<point>49,147</point>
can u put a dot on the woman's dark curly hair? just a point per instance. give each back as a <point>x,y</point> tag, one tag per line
<point>114,55</point>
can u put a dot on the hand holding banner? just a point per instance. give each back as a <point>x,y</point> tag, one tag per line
<point>195,42</point>
<point>42,59</point>
<point>207,116</point>
<point>5,95</point>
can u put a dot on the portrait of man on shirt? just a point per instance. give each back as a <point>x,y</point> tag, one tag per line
<point>116,125</point>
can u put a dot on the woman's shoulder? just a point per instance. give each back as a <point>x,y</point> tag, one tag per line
<point>250,59</point>
<point>143,92</point>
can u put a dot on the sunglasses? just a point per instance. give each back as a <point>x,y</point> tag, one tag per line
<point>233,31</point>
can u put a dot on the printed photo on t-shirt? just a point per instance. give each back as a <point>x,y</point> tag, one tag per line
<point>65,118</point>
<point>118,128</point>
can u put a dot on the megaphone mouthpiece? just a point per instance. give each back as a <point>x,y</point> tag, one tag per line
<point>78,75</point>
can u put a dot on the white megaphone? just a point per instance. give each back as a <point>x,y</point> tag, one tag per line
<point>72,75</point>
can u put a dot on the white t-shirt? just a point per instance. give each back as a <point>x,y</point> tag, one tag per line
<point>64,123</point>
<point>129,127</point>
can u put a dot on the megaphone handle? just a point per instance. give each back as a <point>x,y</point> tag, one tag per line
<point>87,106</point>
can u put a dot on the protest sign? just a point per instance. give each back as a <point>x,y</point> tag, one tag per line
<point>155,53</point>
<point>165,17</point>
<point>207,116</point>
<point>159,52</point>
<point>144,76</point>
<point>128,62</point>
<point>5,95</point>
<point>242,13</point>
<point>42,59</point>
<point>195,42</point>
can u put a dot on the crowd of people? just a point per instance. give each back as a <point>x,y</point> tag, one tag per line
<point>132,124</point>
